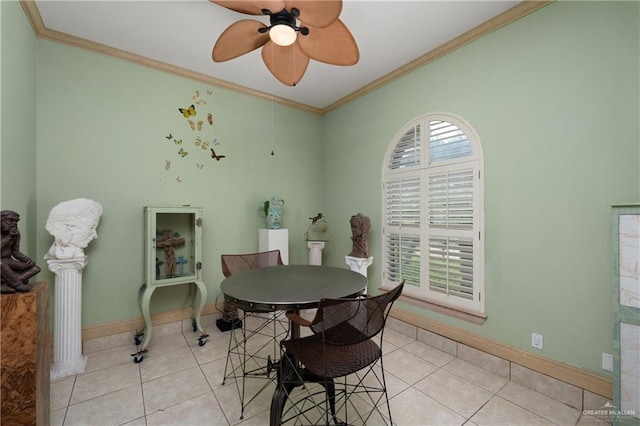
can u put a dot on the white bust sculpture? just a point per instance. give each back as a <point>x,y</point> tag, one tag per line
<point>73,224</point>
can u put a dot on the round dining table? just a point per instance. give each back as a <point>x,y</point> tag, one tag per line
<point>291,287</point>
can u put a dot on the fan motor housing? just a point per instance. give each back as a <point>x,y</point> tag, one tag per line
<point>284,17</point>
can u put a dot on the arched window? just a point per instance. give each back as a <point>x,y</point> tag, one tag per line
<point>433,212</point>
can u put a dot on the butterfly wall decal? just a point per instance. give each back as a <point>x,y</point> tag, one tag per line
<point>178,179</point>
<point>195,126</point>
<point>202,144</point>
<point>196,98</point>
<point>188,112</point>
<point>217,157</point>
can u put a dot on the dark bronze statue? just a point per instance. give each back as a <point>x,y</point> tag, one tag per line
<point>360,226</point>
<point>17,268</point>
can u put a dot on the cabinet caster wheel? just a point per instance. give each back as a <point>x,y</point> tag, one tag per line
<point>137,338</point>
<point>194,326</point>
<point>137,358</point>
<point>202,340</point>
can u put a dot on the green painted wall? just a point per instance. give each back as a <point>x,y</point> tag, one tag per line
<point>553,96</point>
<point>17,122</point>
<point>555,100</point>
<point>102,132</point>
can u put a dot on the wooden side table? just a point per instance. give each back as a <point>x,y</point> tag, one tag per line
<point>25,357</point>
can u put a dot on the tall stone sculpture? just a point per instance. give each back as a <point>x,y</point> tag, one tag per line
<point>17,267</point>
<point>359,259</point>
<point>360,226</point>
<point>73,225</point>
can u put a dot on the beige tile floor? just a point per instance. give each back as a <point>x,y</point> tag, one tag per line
<point>180,383</point>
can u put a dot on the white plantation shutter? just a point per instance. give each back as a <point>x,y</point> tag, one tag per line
<point>447,142</point>
<point>451,205</point>
<point>432,209</point>
<point>407,151</point>
<point>451,266</point>
<point>403,201</point>
<point>403,258</point>
<point>403,229</point>
<point>451,199</point>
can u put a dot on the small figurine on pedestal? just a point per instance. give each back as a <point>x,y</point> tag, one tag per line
<point>360,226</point>
<point>17,268</point>
<point>319,230</point>
<point>318,233</point>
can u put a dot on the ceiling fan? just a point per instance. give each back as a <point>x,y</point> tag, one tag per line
<point>298,31</point>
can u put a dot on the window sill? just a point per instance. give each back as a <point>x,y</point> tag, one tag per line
<point>461,314</point>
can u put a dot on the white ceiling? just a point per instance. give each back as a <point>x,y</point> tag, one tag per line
<point>181,33</point>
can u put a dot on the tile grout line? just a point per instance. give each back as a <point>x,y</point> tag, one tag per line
<point>144,407</point>
<point>66,409</point>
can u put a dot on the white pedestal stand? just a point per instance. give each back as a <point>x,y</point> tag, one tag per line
<point>274,239</point>
<point>315,252</point>
<point>359,265</point>
<point>67,328</point>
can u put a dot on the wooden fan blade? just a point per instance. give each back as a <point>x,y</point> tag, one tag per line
<point>251,7</point>
<point>287,63</point>
<point>239,38</point>
<point>332,45</point>
<point>317,13</point>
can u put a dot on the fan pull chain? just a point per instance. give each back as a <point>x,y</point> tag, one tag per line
<point>294,65</point>
<point>273,125</point>
<point>273,152</point>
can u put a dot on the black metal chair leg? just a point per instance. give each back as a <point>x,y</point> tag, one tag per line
<point>278,402</point>
<point>330,389</point>
<point>288,377</point>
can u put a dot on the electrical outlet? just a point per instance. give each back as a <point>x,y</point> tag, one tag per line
<point>536,340</point>
<point>607,362</point>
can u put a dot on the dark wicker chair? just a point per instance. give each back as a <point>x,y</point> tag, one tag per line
<point>344,358</point>
<point>254,337</point>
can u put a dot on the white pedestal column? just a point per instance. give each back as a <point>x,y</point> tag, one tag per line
<point>67,327</point>
<point>359,265</point>
<point>274,239</point>
<point>315,252</point>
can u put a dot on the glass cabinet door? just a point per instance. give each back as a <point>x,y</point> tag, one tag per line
<point>173,245</point>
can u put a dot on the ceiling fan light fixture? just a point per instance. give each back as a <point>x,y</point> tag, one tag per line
<point>283,34</point>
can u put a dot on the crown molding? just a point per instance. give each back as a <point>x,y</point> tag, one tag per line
<point>505,18</point>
